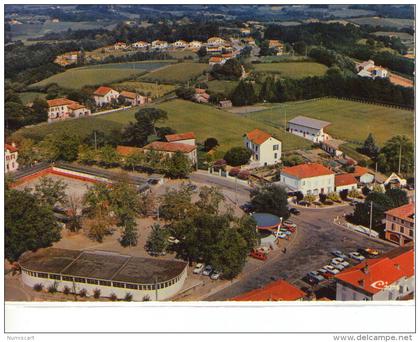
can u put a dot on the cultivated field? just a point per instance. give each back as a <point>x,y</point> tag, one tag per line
<point>292,69</point>
<point>176,73</point>
<point>76,78</point>
<point>29,96</point>
<point>155,90</point>
<point>387,22</point>
<point>350,121</point>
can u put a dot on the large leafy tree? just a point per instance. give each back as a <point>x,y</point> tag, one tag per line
<point>50,192</point>
<point>176,204</point>
<point>380,203</point>
<point>178,166</point>
<point>244,94</point>
<point>389,157</point>
<point>157,241</point>
<point>397,196</point>
<point>60,147</point>
<point>29,224</point>
<point>237,156</point>
<point>271,199</point>
<point>369,147</point>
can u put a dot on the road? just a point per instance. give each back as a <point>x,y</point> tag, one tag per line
<point>317,237</point>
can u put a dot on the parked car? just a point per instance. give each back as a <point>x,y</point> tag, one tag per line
<point>323,272</point>
<point>280,235</point>
<point>207,270</point>
<point>331,269</point>
<point>258,255</point>
<point>370,252</point>
<point>294,211</point>
<point>341,261</point>
<point>285,231</point>
<point>215,275</point>
<point>198,268</point>
<point>173,240</point>
<point>291,229</point>
<point>339,254</point>
<point>339,267</point>
<point>356,256</point>
<point>263,249</point>
<point>247,207</point>
<point>315,277</point>
<point>288,224</point>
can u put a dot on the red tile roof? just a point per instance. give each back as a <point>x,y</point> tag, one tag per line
<point>59,102</point>
<point>258,136</point>
<point>345,179</point>
<point>128,150</point>
<point>128,94</point>
<point>180,136</point>
<point>169,147</point>
<point>215,59</point>
<point>279,290</point>
<point>102,91</point>
<point>76,105</point>
<point>373,274</point>
<point>11,148</point>
<point>307,170</point>
<point>405,212</point>
<point>360,171</point>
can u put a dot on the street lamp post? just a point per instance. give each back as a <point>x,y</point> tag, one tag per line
<point>371,214</point>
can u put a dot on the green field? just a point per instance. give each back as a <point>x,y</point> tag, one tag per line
<point>350,121</point>
<point>386,22</point>
<point>176,73</point>
<point>224,87</point>
<point>93,75</point>
<point>183,54</point>
<point>155,90</point>
<point>292,69</point>
<point>29,96</point>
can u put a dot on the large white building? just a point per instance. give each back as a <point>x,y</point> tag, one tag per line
<point>309,179</point>
<point>62,108</point>
<point>10,158</point>
<point>308,128</point>
<point>109,272</point>
<point>390,277</point>
<point>370,70</point>
<point>104,95</point>
<point>265,149</point>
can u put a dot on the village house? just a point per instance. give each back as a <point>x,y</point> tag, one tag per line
<point>180,44</point>
<point>368,69</point>
<point>225,104</point>
<point>140,45</point>
<point>363,175</point>
<point>159,44</point>
<point>390,277</point>
<point>345,181</point>
<point>309,179</point>
<point>395,181</point>
<point>62,108</point>
<point>170,148</point>
<point>10,158</point>
<point>399,224</point>
<point>332,146</point>
<point>184,138</point>
<point>217,60</point>
<point>245,31</point>
<point>277,46</point>
<point>104,95</point>
<point>126,151</point>
<point>67,58</point>
<point>250,41</point>
<point>308,128</point>
<point>215,41</point>
<point>280,290</point>
<point>214,50</point>
<point>133,98</point>
<point>227,56</point>
<point>120,46</point>
<point>201,95</point>
<point>195,45</point>
<point>264,148</point>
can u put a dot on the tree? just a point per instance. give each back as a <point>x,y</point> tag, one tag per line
<point>86,154</point>
<point>157,241</point>
<point>202,52</point>
<point>130,234</point>
<point>231,70</point>
<point>381,203</point>
<point>270,199</point>
<point>185,93</point>
<point>60,147</point>
<point>237,156</point>
<point>134,160</point>
<point>369,147</point>
<point>74,213</point>
<point>210,143</point>
<point>300,47</point>
<point>244,94</point>
<point>176,204</point>
<point>28,153</point>
<point>178,166</point>
<point>50,192</point>
<point>210,199</point>
<point>397,196</point>
<point>40,110</point>
<point>29,224</point>
<point>388,159</point>
<point>247,228</point>
<point>108,156</point>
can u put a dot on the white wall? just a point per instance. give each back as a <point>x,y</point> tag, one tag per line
<point>10,161</point>
<point>264,153</point>
<point>312,185</point>
<point>346,187</point>
<point>312,134</point>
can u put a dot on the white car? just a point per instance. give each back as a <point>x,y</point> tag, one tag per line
<point>198,268</point>
<point>280,235</point>
<point>215,275</point>
<point>356,256</point>
<point>331,269</point>
<point>173,240</point>
<point>207,270</point>
<point>338,266</point>
<point>337,261</point>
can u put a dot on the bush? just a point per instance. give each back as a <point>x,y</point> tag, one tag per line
<point>322,197</point>
<point>128,297</point>
<point>146,298</point>
<point>234,171</point>
<point>244,175</point>
<point>343,194</point>
<point>83,293</point>
<point>38,287</point>
<point>113,297</point>
<point>219,164</point>
<point>237,156</point>
<point>354,193</point>
<point>328,202</point>
<point>362,162</point>
<point>96,293</point>
<point>333,196</point>
<point>299,196</point>
<point>53,288</point>
<point>210,143</point>
<point>365,190</point>
<point>66,290</point>
<point>309,198</point>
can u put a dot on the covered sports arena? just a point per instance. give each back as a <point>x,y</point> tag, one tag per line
<point>266,221</point>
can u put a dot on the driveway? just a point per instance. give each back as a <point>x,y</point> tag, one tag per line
<point>318,236</point>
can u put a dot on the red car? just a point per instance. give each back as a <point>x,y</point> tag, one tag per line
<point>258,255</point>
<point>291,229</point>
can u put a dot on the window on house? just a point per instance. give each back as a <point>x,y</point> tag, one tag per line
<point>392,226</point>
<point>411,233</point>
<point>275,147</point>
<point>256,157</point>
<point>275,155</point>
<point>401,229</point>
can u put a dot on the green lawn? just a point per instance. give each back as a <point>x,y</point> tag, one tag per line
<point>350,121</point>
<point>95,75</point>
<point>176,73</point>
<point>29,96</point>
<point>292,69</point>
<point>156,90</point>
<point>224,87</point>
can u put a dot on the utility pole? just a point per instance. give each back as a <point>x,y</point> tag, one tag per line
<point>371,214</point>
<point>94,134</point>
<point>285,124</point>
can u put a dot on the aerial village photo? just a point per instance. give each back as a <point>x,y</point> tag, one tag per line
<point>209,153</point>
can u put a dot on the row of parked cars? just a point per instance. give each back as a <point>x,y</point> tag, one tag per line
<point>339,263</point>
<point>206,270</point>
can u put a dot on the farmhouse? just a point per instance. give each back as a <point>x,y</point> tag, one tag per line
<point>104,95</point>
<point>399,224</point>
<point>180,44</point>
<point>110,272</point>
<point>159,44</point>
<point>215,41</point>
<point>368,69</point>
<point>67,58</point>
<point>245,31</point>
<point>250,41</point>
<point>395,181</point>
<point>10,158</point>
<point>363,175</point>
<point>201,95</point>
<point>225,104</point>
<point>184,138</point>
<point>140,45</point>
<point>308,128</point>
<point>277,46</point>
<point>133,98</point>
<point>170,148</point>
<point>345,181</point>
<point>309,179</point>
<point>62,108</point>
<point>195,45</point>
<point>120,46</point>
<point>390,277</point>
<point>217,60</point>
<point>279,290</point>
<point>265,150</point>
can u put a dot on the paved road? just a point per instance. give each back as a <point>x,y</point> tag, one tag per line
<point>318,236</point>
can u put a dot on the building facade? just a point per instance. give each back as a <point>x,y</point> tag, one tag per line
<point>134,99</point>
<point>308,128</point>
<point>345,181</point>
<point>10,158</point>
<point>62,108</point>
<point>183,138</point>
<point>264,148</point>
<point>170,148</point>
<point>105,95</point>
<point>399,224</point>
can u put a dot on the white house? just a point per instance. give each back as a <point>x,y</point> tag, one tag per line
<point>390,277</point>
<point>62,108</point>
<point>308,128</point>
<point>395,180</point>
<point>195,45</point>
<point>309,179</point>
<point>217,60</point>
<point>265,149</point>
<point>345,181</point>
<point>369,69</point>
<point>215,41</point>
<point>159,44</point>
<point>10,158</point>
<point>120,46</point>
<point>140,45</point>
<point>104,95</point>
<point>133,98</point>
<point>363,175</point>
<point>180,44</point>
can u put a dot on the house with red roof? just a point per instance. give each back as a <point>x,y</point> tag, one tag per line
<point>10,158</point>
<point>399,224</point>
<point>183,138</point>
<point>104,95</point>
<point>309,179</point>
<point>279,290</point>
<point>390,277</point>
<point>170,148</point>
<point>62,108</point>
<point>134,99</point>
<point>345,181</point>
<point>363,175</point>
<point>264,148</point>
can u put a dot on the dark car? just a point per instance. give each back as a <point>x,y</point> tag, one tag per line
<point>294,211</point>
<point>247,207</point>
